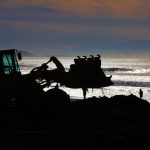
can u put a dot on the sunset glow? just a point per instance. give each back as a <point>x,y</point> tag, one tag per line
<point>70,27</point>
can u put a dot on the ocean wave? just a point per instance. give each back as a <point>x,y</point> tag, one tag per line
<point>132,83</point>
<point>111,69</point>
<point>117,69</point>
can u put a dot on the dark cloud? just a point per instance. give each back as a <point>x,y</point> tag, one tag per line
<point>75,26</point>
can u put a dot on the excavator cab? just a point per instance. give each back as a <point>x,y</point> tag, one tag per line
<point>9,62</point>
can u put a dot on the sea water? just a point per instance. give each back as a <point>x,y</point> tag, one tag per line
<point>128,75</point>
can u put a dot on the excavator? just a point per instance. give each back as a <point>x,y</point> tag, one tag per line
<point>84,73</point>
<point>9,71</point>
<point>13,85</point>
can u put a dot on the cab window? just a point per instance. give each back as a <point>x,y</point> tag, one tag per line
<point>7,63</point>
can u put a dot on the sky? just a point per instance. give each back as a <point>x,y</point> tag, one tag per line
<point>76,27</point>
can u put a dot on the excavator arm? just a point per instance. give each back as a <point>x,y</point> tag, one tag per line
<point>46,77</point>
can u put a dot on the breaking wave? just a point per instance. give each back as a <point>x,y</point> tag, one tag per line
<point>117,69</point>
<point>132,83</point>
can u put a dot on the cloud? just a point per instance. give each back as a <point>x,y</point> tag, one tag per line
<point>135,32</point>
<point>34,26</point>
<point>128,8</point>
<point>74,24</point>
<point>116,8</point>
<point>80,30</point>
<point>79,7</point>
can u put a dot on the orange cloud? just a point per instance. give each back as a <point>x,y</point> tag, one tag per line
<point>82,7</point>
<point>128,8</point>
<point>117,8</point>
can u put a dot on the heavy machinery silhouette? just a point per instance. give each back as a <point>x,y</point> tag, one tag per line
<point>84,73</point>
<point>9,72</point>
<point>14,86</point>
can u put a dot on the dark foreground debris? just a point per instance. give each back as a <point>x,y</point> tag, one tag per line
<point>106,122</point>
